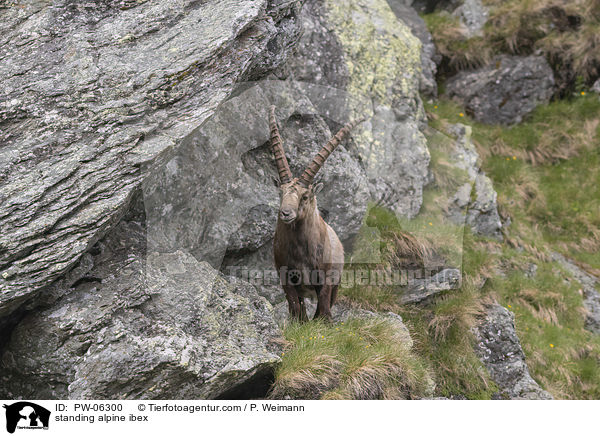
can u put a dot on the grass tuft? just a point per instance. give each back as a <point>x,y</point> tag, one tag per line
<point>566,33</point>
<point>356,359</point>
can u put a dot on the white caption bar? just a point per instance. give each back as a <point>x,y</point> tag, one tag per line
<point>249,417</point>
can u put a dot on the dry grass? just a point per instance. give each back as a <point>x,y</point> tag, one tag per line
<point>458,51</point>
<point>442,332</point>
<point>566,32</point>
<point>516,242</point>
<point>529,299</point>
<point>552,146</point>
<point>452,311</point>
<point>356,359</point>
<point>404,250</point>
<point>552,134</point>
<point>555,141</point>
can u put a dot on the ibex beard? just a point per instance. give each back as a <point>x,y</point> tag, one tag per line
<point>308,254</point>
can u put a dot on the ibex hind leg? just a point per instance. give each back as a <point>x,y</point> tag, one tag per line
<point>323,302</point>
<point>334,290</point>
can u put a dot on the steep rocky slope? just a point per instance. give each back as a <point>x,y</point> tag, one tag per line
<point>137,189</point>
<point>93,93</point>
<point>139,118</point>
<point>94,98</point>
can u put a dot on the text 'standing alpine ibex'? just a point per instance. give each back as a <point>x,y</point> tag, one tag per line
<point>308,254</point>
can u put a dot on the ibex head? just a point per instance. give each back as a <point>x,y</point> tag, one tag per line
<point>297,202</point>
<point>298,194</point>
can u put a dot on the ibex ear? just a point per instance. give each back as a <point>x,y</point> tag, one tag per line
<point>316,188</point>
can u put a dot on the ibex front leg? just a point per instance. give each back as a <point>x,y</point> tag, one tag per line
<point>296,308</point>
<point>303,314</point>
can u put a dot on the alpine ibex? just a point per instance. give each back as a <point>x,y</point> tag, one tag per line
<point>308,254</point>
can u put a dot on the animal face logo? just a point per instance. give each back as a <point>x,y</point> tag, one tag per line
<point>24,414</point>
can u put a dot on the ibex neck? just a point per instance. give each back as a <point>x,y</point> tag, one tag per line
<point>312,219</point>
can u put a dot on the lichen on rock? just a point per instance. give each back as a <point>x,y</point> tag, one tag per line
<point>500,351</point>
<point>361,48</point>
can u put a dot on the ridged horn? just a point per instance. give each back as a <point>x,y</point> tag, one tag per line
<point>285,175</point>
<point>311,171</point>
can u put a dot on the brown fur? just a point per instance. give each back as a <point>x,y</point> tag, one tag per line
<point>308,254</point>
<point>310,246</point>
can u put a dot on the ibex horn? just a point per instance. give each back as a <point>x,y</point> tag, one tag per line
<point>285,175</point>
<point>310,172</point>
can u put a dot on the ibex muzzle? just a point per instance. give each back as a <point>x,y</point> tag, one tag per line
<point>308,254</point>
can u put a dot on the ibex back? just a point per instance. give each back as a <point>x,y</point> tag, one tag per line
<point>308,254</point>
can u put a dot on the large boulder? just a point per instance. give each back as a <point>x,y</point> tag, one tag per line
<point>500,351</point>
<point>218,196</point>
<point>143,325</point>
<point>505,90</point>
<point>429,56</point>
<point>360,48</point>
<point>92,93</point>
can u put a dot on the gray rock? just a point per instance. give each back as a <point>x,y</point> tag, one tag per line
<point>505,90</point>
<point>226,212</point>
<point>596,86</point>
<point>429,56</point>
<point>473,15</point>
<point>591,297</point>
<point>319,55</point>
<point>500,351</point>
<point>420,289</point>
<point>531,270</point>
<point>255,231</point>
<point>174,329</point>
<point>256,267</point>
<point>482,214</point>
<point>90,93</point>
<point>359,47</point>
<point>476,198</point>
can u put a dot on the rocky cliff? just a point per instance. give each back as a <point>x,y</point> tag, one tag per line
<point>95,97</point>
<point>136,186</point>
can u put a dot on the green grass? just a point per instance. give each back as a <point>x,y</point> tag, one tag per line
<point>545,171</point>
<point>442,334</point>
<point>553,203</point>
<point>562,356</point>
<point>441,329</point>
<point>356,359</point>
